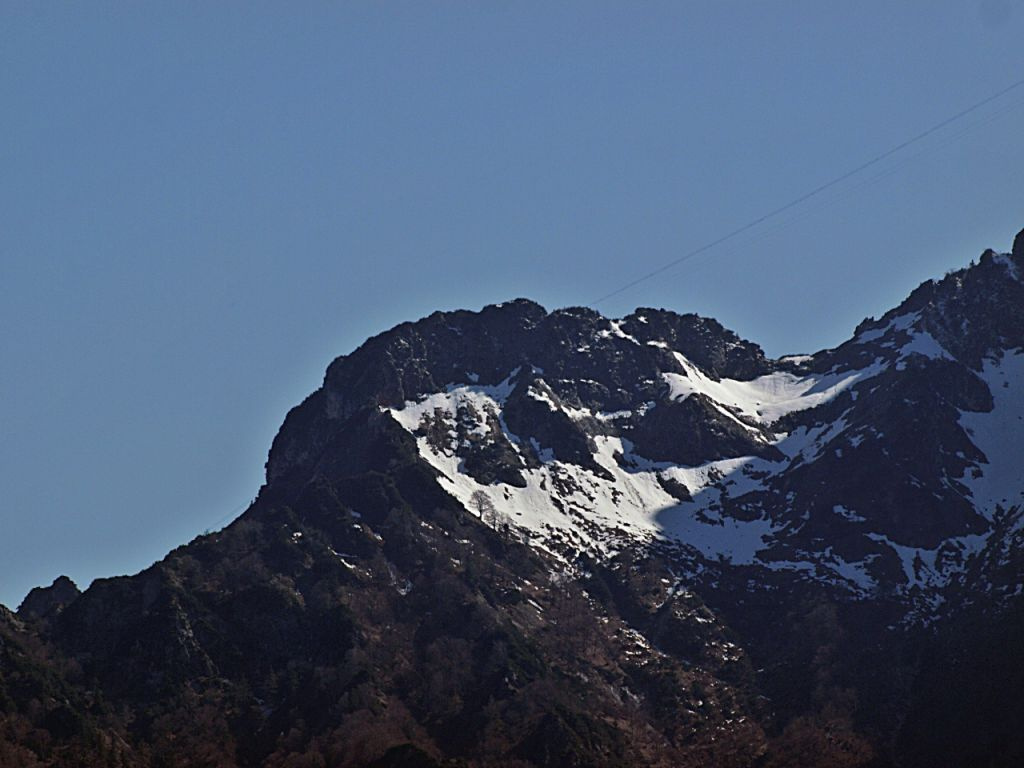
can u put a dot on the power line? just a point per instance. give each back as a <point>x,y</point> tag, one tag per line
<point>230,516</point>
<point>837,195</point>
<point>813,193</point>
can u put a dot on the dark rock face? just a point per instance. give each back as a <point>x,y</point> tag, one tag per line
<point>715,349</point>
<point>47,602</point>
<point>693,432</point>
<point>1018,248</point>
<point>523,538</point>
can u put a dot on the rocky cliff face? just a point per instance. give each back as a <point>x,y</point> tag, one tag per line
<point>47,602</point>
<point>516,537</point>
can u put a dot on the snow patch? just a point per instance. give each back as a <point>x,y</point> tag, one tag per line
<point>923,343</point>
<point>999,434</point>
<point>768,398</point>
<point>1005,260</point>
<point>565,508</point>
<point>898,323</point>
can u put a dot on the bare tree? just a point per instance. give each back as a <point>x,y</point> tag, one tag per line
<point>484,507</point>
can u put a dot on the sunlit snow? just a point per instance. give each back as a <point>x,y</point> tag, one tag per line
<point>768,398</point>
<point>999,434</point>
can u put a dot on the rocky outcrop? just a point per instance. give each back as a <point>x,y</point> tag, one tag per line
<point>47,602</point>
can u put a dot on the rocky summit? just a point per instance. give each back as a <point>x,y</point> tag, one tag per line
<point>517,537</point>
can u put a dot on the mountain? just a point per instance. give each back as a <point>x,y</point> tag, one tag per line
<point>527,538</point>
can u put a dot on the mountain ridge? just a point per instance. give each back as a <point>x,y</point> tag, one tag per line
<point>521,537</point>
<point>714,352</point>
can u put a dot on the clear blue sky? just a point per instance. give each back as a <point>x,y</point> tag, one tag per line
<point>201,204</point>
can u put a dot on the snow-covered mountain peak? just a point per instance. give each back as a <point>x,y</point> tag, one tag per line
<point>876,466</point>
